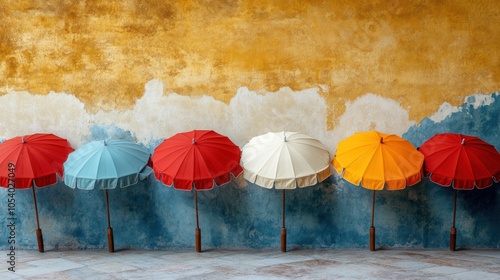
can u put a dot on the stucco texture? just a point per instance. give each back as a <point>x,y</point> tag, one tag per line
<point>147,69</point>
<point>103,52</point>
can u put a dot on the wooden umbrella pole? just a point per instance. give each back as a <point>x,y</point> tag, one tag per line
<point>454,206</point>
<point>111,245</point>
<point>283,228</point>
<point>453,231</point>
<point>107,208</point>
<point>372,228</point>
<point>283,208</point>
<point>197,231</point>
<point>39,235</point>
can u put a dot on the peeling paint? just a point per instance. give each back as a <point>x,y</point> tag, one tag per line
<point>333,214</point>
<point>445,110</point>
<point>157,115</point>
<point>373,112</point>
<point>478,100</point>
<point>59,113</point>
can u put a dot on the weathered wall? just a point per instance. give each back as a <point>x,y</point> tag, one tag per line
<point>145,70</point>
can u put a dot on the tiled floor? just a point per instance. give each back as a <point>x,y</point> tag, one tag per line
<point>256,264</point>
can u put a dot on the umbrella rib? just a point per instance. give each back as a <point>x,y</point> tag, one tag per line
<point>184,158</point>
<point>85,156</point>
<point>363,155</point>
<point>277,151</point>
<point>394,160</point>
<point>8,155</point>
<point>129,162</point>
<point>32,174</point>
<point>106,151</point>
<point>178,153</point>
<point>311,170</point>
<point>463,152</point>
<point>193,185</point>
<point>217,154</point>
<point>379,149</point>
<point>483,166</point>
<point>445,163</point>
<point>294,175</point>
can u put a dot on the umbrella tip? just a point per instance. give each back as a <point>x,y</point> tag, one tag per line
<point>22,140</point>
<point>192,141</point>
<point>463,141</point>
<point>381,140</point>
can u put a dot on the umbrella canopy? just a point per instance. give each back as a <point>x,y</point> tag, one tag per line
<point>285,160</point>
<point>107,164</point>
<point>375,160</point>
<point>462,161</point>
<point>38,161</point>
<point>199,160</point>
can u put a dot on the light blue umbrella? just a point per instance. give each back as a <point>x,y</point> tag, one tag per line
<point>107,164</point>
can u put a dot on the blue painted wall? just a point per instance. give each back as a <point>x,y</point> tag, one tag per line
<point>333,214</point>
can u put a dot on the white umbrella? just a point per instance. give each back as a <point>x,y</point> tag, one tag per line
<point>285,160</point>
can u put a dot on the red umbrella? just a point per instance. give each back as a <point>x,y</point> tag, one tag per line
<point>199,159</point>
<point>33,160</point>
<point>462,161</point>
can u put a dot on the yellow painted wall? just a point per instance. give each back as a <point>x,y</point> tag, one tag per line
<point>99,69</point>
<point>420,53</point>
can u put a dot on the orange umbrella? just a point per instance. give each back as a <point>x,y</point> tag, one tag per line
<point>375,160</point>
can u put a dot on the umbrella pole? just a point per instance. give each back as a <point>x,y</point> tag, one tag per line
<point>453,231</point>
<point>39,235</point>
<point>283,229</point>
<point>197,231</point>
<point>372,228</point>
<point>111,245</point>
